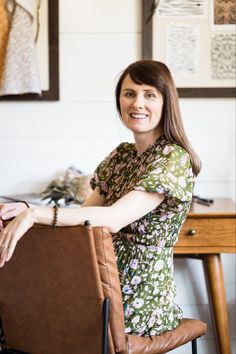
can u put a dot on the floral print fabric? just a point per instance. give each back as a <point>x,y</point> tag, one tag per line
<point>144,248</point>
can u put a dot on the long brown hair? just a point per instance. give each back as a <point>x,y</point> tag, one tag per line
<point>157,74</point>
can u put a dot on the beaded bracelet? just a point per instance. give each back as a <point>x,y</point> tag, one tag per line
<point>55,215</point>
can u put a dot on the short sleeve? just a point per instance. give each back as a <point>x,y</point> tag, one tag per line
<point>170,174</point>
<point>103,173</point>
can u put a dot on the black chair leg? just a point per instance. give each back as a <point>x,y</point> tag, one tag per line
<point>106,304</point>
<point>194,346</point>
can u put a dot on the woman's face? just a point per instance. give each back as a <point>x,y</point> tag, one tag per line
<point>141,107</point>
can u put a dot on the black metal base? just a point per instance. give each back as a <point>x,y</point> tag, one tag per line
<point>194,346</point>
<point>106,305</point>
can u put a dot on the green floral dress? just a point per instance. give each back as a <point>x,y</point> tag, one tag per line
<point>144,247</point>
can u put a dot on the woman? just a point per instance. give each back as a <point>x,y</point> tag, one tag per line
<point>142,192</point>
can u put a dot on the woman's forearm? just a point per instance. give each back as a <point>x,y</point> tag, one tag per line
<point>115,217</point>
<point>98,216</point>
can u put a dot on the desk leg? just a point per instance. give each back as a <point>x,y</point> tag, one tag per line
<point>216,292</point>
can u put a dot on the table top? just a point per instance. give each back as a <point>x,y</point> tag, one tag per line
<point>221,207</point>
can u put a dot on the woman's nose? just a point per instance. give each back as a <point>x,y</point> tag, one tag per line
<point>138,103</point>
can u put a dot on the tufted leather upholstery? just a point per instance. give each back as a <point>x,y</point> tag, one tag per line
<point>52,293</point>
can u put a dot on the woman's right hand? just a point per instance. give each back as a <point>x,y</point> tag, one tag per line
<point>10,210</point>
<point>14,230</point>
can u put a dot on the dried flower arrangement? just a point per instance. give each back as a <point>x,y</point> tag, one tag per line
<point>72,188</point>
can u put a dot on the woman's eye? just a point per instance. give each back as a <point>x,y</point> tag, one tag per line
<point>129,94</point>
<point>150,95</point>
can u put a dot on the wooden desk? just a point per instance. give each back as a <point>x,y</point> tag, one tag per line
<point>208,232</point>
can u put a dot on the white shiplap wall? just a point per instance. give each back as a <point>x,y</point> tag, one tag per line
<point>39,140</point>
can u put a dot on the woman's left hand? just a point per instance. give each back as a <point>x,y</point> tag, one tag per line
<point>11,234</point>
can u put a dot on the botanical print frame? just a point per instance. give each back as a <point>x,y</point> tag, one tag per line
<point>48,53</point>
<point>197,44</point>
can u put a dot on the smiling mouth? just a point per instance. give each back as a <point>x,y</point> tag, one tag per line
<point>138,115</point>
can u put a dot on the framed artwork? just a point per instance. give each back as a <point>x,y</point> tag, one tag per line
<point>196,39</point>
<point>45,32</point>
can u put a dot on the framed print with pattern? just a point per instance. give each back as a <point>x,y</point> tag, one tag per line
<point>196,39</point>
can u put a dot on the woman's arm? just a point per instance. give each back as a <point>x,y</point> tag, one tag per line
<point>10,210</point>
<point>129,208</point>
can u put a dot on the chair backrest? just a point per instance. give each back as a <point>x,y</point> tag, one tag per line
<point>52,296</point>
<point>52,292</point>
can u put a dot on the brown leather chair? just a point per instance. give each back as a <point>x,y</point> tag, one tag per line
<point>60,294</point>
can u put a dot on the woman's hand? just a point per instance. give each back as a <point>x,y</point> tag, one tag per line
<point>10,210</point>
<point>11,234</point>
